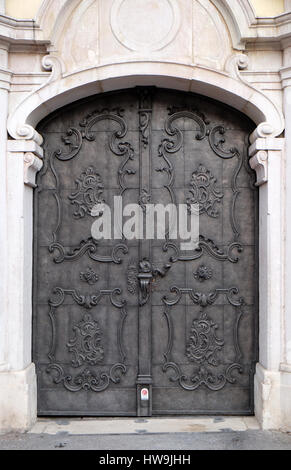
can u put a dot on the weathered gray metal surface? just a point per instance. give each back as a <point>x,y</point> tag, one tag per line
<point>114,316</point>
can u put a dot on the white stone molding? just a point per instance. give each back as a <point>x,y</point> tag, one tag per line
<point>52,14</point>
<point>245,26</point>
<point>24,159</point>
<point>52,63</point>
<point>25,146</point>
<point>239,15</point>
<point>2,7</point>
<point>285,366</point>
<point>267,158</point>
<point>5,78</point>
<point>286,76</point>
<point>259,149</point>
<point>263,131</point>
<point>267,128</point>
<point>18,31</point>
<point>32,164</point>
<point>18,399</point>
<point>234,64</point>
<point>259,163</point>
<point>267,398</point>
<point>211,42</point>
<point>32,158</point>
<point>78,26</point>
<point>24,130</point>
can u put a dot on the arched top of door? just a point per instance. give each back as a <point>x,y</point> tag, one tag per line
<point>83,64</point>
<point>220,86</point>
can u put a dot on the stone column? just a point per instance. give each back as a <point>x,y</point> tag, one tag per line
<point>267,159</point>
<point>5,77</point>
<point>2,7</point>
<point>285,366</point>
<point>287,5</point>
<point>18,382</point>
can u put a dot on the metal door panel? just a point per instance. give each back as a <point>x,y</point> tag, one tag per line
<point>113,317</point>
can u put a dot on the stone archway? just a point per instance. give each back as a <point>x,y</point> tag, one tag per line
<point>117,318</point>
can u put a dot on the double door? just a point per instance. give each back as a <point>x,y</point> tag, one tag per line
<point>137,325</point>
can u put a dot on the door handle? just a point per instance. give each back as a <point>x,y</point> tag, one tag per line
<point>147,273</point>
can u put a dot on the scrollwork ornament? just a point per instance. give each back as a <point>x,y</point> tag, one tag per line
<point>203,189</point>
<point>88,192</point>
<point>89,246</point>
<point>89,184</point>
<point>144,199</point>
<point>206,245</point>
<point>86,380</point>
<point>189,108</point>
<point>235,63</point>
<point>204,344</point>
<point>27,132</point>
<point>86,345</point>
<point>217,140</point>
<point>144,119</point>
<point>204,192</point>
<point>132,279</point>
<point>203,376</point>
<point>117,110</point>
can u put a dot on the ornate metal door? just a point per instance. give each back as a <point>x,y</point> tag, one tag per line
<point>140,327</point>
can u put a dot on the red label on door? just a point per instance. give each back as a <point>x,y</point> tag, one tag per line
<point>144,393</point>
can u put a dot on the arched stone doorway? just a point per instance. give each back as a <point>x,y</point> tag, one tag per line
<point>182,65</point>
<point>120,316</point>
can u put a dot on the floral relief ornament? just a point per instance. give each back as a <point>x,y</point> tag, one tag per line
<point>89,276</point>
<point>203,273</point>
